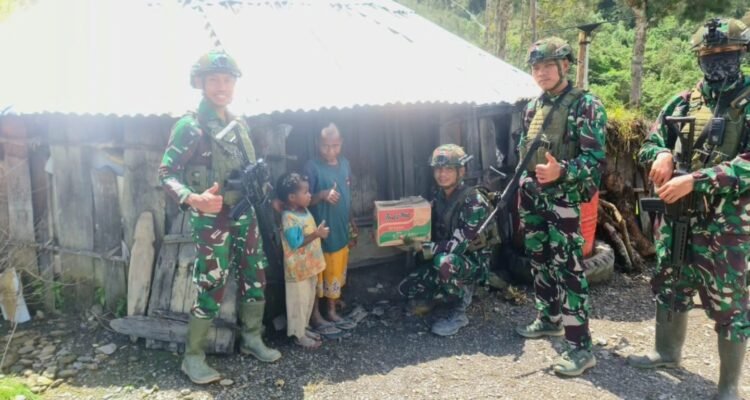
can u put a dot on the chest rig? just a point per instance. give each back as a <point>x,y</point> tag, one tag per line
<point>449,212</point>
<point>551,121</point>
<point>722,131</point>
<point>226,157</point>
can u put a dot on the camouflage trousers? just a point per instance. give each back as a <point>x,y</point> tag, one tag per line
<point>445,277</point>
<point>553,241</point>
<point>717,273</point>
<point>223,245</point>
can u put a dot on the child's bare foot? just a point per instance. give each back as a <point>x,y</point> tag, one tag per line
<point>307,343</point>
<point>312,334</point>
<point>341,323</point>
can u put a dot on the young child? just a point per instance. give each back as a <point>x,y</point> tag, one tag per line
<point>303,257</point>
<point>330,181</point>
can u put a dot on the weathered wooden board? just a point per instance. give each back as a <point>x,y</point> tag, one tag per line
<point>141,265</point>
<point>141,187</point>
<point>174,331</point>
<point>18,188</point>
<point>74,208</point>
<point>108,236</point>
<point>3,196</point>
<point>161,288</point>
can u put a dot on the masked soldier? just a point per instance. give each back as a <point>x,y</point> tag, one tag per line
<point>719,237</point>
<point>565,171</point>
<point>458,257</point>
<point>194,169</point>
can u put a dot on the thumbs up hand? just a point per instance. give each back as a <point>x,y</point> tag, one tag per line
<point>330,196</point>
<point>210,201</point>
<point>549,172</point>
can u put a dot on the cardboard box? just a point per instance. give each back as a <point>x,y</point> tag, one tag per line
<point>410,216</point>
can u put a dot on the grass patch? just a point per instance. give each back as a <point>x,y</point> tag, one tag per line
<point>12,387</point>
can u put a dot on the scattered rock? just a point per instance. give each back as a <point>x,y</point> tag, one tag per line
<point>43,381</point>
<point>85,359</point>
<point>56,383</point>
<point>97,309</point>
<point>26,349</point>
<point>92,367</point>
<point>66,359</point>
<point>10,359</point>
<point>226,382</point>
<point>26,362</point>
<point>58,333</point>
<point>40,314</point>
<point>67,373</point>
<point>280,382</point>
<point>107,349</point>
<point>132,359</point>
<point>50,372</point>
<point>184,392</point>
<point>48,350</point>
<point>600,342</point>
<point>29,342</point>
<point>378,311</point>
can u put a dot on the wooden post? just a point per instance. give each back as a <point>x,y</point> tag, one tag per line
<point>532,19</point>
<point>108,235</point>
<point>18,189</point>
<point>74,221</point>
<point>141,187</point>
<point>582,76</point>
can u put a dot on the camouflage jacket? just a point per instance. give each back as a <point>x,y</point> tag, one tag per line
<point>587,124</point>
<point>726,185</point>
<point>188,146</point>
<point>472,214</point>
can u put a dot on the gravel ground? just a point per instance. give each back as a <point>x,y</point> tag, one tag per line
<point>392,356</point>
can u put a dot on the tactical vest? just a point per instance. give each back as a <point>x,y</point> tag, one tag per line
<point>449,218</point>
<point>708,155</point>
<point>226,157</point>
<point>554,137</point>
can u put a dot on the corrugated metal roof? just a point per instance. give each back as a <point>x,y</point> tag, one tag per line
<point>133,57</point>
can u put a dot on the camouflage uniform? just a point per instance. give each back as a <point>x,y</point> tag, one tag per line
<point>720,239</point>
<point>452,266</point>
<point>221,243</point>
<point>195,158</point>
<point>550,215</point>
<point>719,236</point>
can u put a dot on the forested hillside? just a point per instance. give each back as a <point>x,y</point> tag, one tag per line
<point>506,28</point>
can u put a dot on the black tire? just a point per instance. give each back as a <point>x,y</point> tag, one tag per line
<point>600,265</point>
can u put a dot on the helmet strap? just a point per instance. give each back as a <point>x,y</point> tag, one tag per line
<point>560,79</point>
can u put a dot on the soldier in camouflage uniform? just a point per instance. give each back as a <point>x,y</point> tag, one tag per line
<point>565,172</point>
<point>458,257</point>
<point>193,171</point>
<point>719,239</point>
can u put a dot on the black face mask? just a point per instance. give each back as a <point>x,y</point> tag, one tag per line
<point>720,67</point>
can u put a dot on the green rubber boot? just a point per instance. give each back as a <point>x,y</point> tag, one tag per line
<point>670,336</point>
<point>731,355</point>
<point>251,316</point>
<point>194,362</point>
<point>539,328</point>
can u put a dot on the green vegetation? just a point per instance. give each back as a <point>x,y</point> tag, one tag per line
<point>10,388</point>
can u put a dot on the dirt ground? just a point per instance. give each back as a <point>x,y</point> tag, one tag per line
<point>393,356</point>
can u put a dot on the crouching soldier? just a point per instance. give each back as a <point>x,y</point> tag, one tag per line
<point>193,171</point>
<point>458,257</point>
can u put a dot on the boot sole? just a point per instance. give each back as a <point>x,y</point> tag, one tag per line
<point>449,333</point>
<point>579,372</point>
<point>654,365</point>
<point>200,382</point>
<point>538,335</point>
<point>265,360</point>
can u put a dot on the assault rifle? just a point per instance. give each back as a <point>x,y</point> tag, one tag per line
<point>678,214</point>
<point>510,189</point>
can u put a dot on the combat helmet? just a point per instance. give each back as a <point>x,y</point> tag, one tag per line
<point>449,155</point>
<point>551,48</point>
<point>721,34</point>
<point>212,62</point>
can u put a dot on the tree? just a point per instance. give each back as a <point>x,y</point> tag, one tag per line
<point>498,14</point>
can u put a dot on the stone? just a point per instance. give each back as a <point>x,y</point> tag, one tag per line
<point>97,309</point>
<point>29,342</point>
<point>26,362</point>
<point>85,359</point>
<point>43,381</point>
<point>184,392</point>
<point>48,350</point>
<point>66,359</point>
<point>58,333</point>
<point>226,382</point>
<point>67,373</point>
<point>40,314</point>
<point>100,357</point>
<point>107,349</point>
<point>56,383</point>
<point>10,359</point>
<point>92,367</point>
<point>25,350</point>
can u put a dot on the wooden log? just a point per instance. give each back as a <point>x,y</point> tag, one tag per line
<point>169,330</point>
<point>141,265</point>
<point>74,220</point>
<point>108,237</point>
<point>18,189</point>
